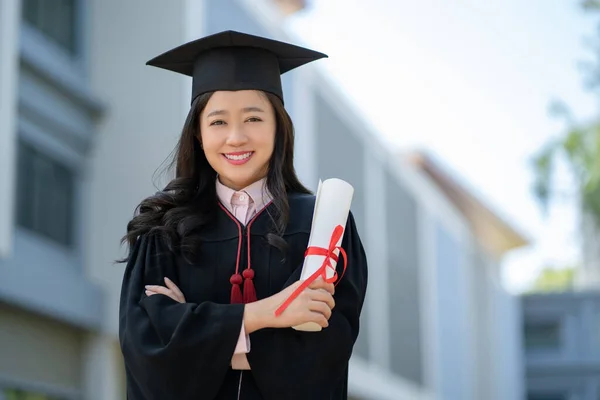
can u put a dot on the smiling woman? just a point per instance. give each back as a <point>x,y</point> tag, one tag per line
<point>217,251</point>
<point>237,133</point>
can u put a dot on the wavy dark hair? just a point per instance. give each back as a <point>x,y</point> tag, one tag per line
<point>189,201</point>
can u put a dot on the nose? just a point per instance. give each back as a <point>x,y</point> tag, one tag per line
<point>236,137</point>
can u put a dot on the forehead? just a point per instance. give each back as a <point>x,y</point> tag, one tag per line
<point>232,100</point>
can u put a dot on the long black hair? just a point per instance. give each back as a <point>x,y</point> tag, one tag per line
<point>189,201</point>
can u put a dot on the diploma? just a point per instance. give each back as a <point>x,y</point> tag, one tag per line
<point>332,206</point>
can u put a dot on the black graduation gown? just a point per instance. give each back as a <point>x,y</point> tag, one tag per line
<point>183,351</point>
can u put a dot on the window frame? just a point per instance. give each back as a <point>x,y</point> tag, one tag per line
<point>76,45</point>
<point>70,55</point>
<point>70,68</point>
<point>545,320</point>
<point>38,154</point>
<point>543,308</point>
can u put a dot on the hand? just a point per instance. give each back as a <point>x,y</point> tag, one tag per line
<point>171,291</point>
<point>314,304</point>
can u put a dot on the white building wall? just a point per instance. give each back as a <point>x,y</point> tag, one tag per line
<point>10,11</point>
<point>588,275</point>
<point>131,142</point>
<point>378,292</point>
<point>507,356</point>
<point>488,317</point>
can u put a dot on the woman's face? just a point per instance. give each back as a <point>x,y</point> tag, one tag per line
<point>237,131</point>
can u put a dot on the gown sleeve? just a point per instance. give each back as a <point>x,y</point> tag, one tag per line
<point>289,364</point>
<point>171,350</point>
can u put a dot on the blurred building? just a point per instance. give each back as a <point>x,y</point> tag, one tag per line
<point>562,345</point>
<point>588,273</point>
<point>84,124</point>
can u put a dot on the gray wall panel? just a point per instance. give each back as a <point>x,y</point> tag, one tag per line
<point>405,320</point>
<point>340,155</point>
<point>451,314</point>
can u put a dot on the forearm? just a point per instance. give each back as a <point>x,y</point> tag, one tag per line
<point>257,317</point>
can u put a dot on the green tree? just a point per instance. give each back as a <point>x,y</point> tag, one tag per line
<point>554,280</point>
<point>579,147</point>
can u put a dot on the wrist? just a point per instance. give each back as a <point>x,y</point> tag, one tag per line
<point>255,317</point>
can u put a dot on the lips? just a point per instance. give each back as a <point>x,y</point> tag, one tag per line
<point>238,158</point>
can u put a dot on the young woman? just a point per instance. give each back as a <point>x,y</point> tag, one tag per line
<point>214,254</point>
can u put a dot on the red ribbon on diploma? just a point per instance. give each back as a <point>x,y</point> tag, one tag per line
<point>322,271</point>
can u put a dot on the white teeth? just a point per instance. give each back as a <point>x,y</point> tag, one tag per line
<point>240,157</point>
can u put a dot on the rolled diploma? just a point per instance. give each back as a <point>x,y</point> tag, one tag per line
<point>332,206</point>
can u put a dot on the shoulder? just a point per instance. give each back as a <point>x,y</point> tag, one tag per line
<point>302,202</point>
<point>300,213</point>
<point>150,244</point>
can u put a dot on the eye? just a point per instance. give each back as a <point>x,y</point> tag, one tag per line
<point>254,119</point>
<point>217,122</point>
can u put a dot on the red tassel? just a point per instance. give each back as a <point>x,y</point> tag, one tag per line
<point>249,291</point>
<point>236,291</point>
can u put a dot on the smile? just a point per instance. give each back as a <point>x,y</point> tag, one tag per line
<point>238,158</point>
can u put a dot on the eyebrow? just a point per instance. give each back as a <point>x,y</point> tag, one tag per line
<point>246,110</point>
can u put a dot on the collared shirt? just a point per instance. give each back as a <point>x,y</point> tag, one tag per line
<point>244,205</point>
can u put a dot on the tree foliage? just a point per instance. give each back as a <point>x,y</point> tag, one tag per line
<point>554,280</point>
<point>579,147</point>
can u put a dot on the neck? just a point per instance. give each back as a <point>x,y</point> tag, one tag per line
<point>238,185</point>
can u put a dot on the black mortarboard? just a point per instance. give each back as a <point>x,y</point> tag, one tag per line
<point>233,60</point>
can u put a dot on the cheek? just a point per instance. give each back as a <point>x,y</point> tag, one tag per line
<point>266,148</point>
<point>210,148</point>
<point>209,144</point>
<point>267,140</point>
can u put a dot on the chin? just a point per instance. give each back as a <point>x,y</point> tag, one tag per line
<point>238,180</point>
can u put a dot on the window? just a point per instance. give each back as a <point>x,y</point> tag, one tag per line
<point>56,19</point>
<point>542,335</point>
<point>45,191</point>
<point>15,394</point>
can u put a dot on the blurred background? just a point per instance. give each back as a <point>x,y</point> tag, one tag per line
<point>468,129</point>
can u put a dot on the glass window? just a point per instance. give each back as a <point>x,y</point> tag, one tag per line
<point>542,335</point>
<point>45,191</point>
<point>57,19</point>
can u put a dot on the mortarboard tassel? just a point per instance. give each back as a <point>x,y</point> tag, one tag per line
<point>236,290</point>
<point>249,291</point>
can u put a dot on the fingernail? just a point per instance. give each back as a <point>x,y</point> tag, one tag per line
<point>148,293</point>
<point>167,279</point>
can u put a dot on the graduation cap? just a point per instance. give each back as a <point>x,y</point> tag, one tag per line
<point>233,60</point>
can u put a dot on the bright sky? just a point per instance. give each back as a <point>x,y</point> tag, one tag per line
<point>470,81</point>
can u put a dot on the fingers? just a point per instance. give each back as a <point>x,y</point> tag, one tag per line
<point>175,289</point>
<point>155,289</point>
<point>323,296</point>
<point>321,308</point>
<point>319,319</point>
<point>321,284</point>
